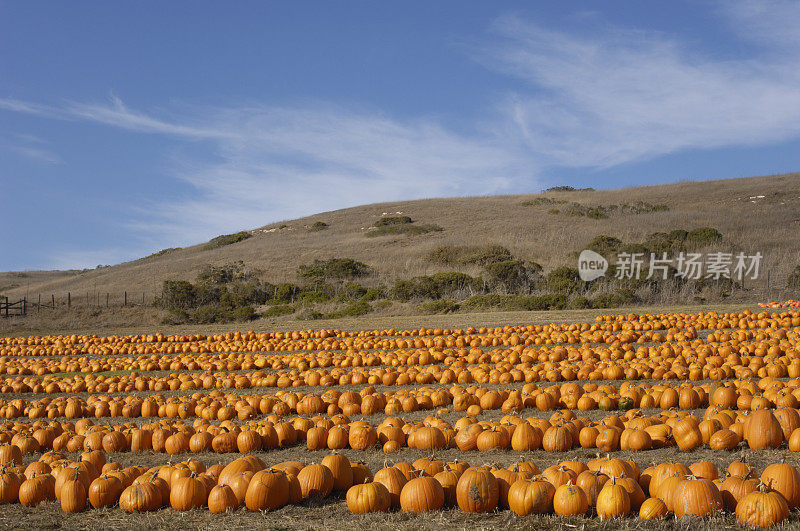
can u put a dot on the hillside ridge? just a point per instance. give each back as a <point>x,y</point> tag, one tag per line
<point>765,220</point>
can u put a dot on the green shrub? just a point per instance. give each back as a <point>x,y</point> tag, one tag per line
<point>434,287</point>
<point>311,297</point>
<point>210,314</point>
<point>440,306</point>
<point>483,255</point>
<point>178,295</point>
<point>597,212</point>
<point>284,292</point>
<point>513,275</point>
<point>278,310</point>
<point>538,201</point>
<point>355,309</point>
<point>333,269</point>
<point>408,229</point>
<point>318,226</point>
<point>642,207</point>
<point>403,290</point>
<point>218,275</point>
<point>227,239</point>
<point>374,294</point>
<point>490,300</point>
<point>387,221</point>
<point>351,292</point>
<point>244,313</point>
<point>703,236</point>
<point>515,302</point>
<point>580,303</point>
<point>357,292</point>
<point>662,242</point>
<point>620,297</point>
<point>563,280</point>
<point>162,252</point>
<point>605,245</point>
<point>220,294</point>
<point>564,188</point>
<point>175,317</point>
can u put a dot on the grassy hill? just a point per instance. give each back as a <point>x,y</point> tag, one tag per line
<point>752,214</point>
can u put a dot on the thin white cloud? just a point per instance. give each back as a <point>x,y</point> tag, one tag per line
<point>772,22</point>
<point>285,163</point>
<point>269,163</point>
<point>37,154</point>
<point>631,95</point>
<point>11,104</point>
<point>116,114</point>
<point>30,147</point>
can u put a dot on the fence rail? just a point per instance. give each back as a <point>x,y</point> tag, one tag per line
<point>69,300</point>
<point>770,285</point>
<point>13,309</point>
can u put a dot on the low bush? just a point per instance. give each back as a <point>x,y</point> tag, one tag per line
<point>407,229</point>
<point>513,276</point>
<point>459,255</point>
<point>312,297</point>
<point>227,239</point>
<point>390,221</point>
<point>620,297</point>
<point>580,303</point>
<point>605,245</point>
<point>162,252</point>
<point>333,269</point>
<point>487,301</point>
<point>448,284</point>
<point>564,280</point>
<point>278,310</point>
<point>703,236</point>
<point>354,309</point>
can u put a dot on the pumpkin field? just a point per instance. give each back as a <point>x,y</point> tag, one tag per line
<point>627,421</point>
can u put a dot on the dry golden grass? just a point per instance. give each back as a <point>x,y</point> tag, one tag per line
<point>769,224</point>
<point>144,320</point>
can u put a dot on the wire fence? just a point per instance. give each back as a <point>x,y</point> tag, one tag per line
<point>767,287</point>
<point>73,300</point>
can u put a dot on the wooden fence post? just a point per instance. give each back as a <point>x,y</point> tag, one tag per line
<point>69,300</point>
<point>125,302</point>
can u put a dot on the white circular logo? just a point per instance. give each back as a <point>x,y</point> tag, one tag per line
<point>591,265</point>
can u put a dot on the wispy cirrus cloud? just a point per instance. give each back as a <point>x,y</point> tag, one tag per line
<point>279,163</point>
<point>631,95</point>
<point>31,147</point>
<point>268,163</point>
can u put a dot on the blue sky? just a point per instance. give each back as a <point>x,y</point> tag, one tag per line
<point>126,128</point>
